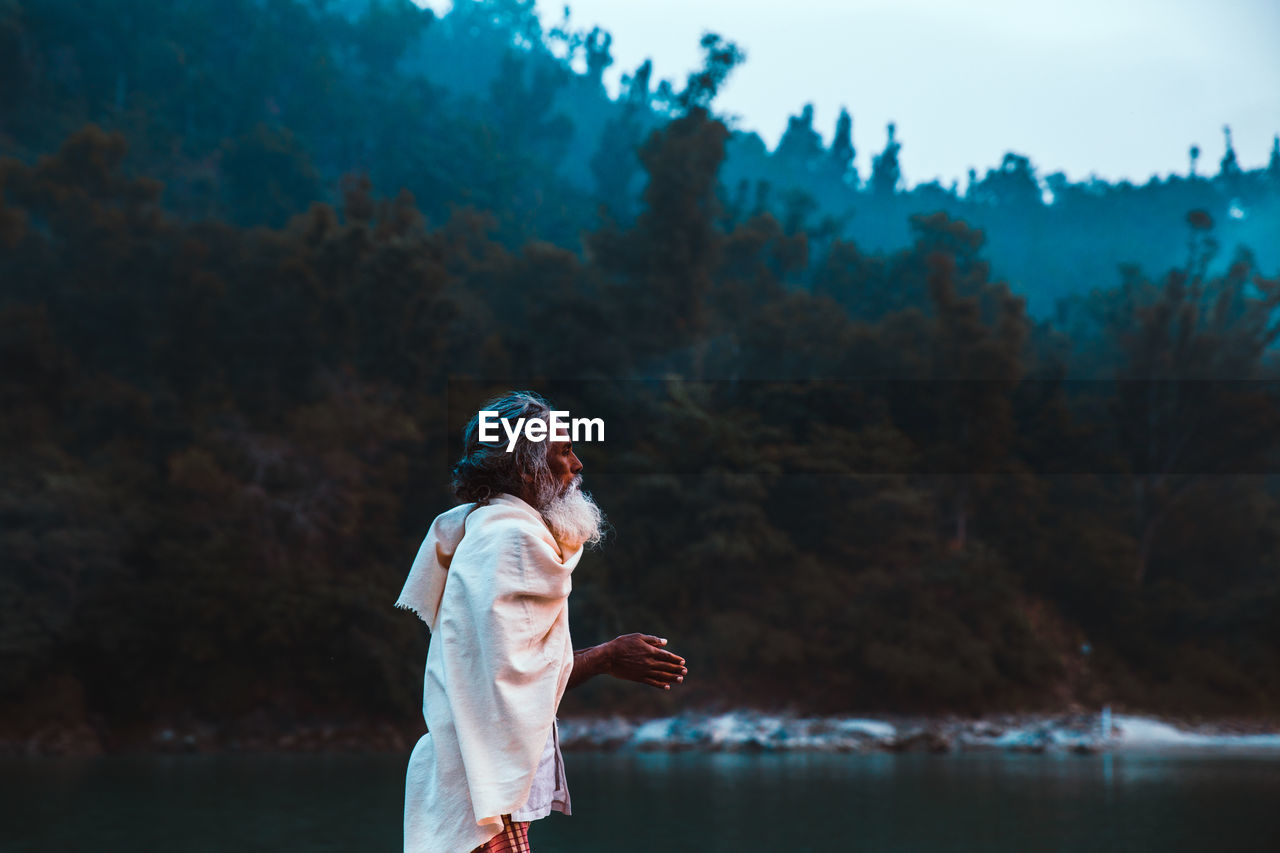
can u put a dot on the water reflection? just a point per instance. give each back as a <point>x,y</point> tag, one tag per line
<point>660,801</point>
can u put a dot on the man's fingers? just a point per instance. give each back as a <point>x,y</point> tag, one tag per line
<point>673,668</point>
<point>658,643</point>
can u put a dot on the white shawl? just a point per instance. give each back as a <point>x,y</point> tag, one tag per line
<point>492,585</point>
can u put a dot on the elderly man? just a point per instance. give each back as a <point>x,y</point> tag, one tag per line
<point>492,582</point>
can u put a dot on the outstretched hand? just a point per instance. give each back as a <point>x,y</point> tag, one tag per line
<point>642,658</point>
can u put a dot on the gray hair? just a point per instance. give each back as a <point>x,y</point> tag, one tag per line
<point>486,469</point>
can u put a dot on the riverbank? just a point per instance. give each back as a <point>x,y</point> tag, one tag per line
<point>1033,733</point>
<point>738,731</point>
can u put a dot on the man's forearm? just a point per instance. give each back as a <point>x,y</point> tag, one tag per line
<point>588,663</point>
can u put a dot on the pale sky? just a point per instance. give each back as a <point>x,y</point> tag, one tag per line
<point>1115,88</point>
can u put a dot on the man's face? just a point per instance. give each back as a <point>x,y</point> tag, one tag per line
<point>571,514</point>
<point>563,462</point>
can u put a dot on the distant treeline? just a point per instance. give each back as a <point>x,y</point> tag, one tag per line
<point>249,110</point>
<point>888,489</point>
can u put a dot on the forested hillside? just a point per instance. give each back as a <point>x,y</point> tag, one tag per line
<point>262,260</point>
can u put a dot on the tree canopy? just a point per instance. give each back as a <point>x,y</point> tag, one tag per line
<point>259,269</point>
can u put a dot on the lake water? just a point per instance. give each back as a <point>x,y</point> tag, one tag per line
<point>659,802</point>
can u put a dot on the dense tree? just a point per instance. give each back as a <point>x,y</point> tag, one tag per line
<point>842,150</point>
<point>598,56</point>
<point>391,90</point>
<point>1013,185</point>
<point>1181,410</point>
<point>886,173</point>
<point>720,57</point>
<point>801,144</point>
<point>846,470</point>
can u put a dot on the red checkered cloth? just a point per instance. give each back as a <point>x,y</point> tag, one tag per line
<point>514,838</point>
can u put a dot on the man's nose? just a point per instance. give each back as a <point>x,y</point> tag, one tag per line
<point>575,464</point>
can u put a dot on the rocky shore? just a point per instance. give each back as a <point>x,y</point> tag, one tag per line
<point>1032,733</point>
<point>738,731</point>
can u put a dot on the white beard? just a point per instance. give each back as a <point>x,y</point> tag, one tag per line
<point>574,518</point>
